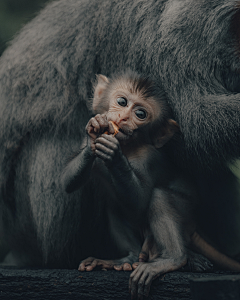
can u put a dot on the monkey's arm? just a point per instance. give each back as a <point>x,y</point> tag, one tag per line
<point>132,186</point>
<point>133,182</point>
<point>78,170</point>
<point>163,249</point>
<point>210,128</point>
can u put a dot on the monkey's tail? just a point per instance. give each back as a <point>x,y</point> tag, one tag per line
<point>216,257</point>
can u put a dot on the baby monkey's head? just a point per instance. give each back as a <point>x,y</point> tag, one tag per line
<point>137,105</point>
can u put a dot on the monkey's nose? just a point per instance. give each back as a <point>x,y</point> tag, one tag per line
<point>123,118</point>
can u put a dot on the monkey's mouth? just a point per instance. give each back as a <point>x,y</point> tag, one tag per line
<point>121,130</point>
<point>124,133</point>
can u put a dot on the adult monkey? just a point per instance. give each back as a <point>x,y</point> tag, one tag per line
<point>46,75</point>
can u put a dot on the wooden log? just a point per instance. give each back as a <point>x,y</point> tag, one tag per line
<point>217,288</point>
<point>105,285</point>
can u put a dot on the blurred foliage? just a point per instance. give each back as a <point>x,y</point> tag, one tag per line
<point>13,15</point>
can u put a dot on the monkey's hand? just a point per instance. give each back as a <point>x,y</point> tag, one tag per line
<point>108,149</point>
<point>125,179</point>
<point>145,272</point>
<point>96,126</point>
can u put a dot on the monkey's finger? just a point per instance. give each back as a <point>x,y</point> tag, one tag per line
<point>123,267</point>
<point>85,267</point>
<point>93,126</point>
<point>141,282</point>
<point>111,143</point>
<point>135,265</point>
<point>133,281</point>
<point>143,256</point>
<point>110,138</point>
<point>144,282</point>
<point>103,156</point>
<point>102,121</point>
<point>84,263</point>
<point>105,264</point>
<point>81,267</point>
<point>118,267</point>
<point>148,283</point>
<point>104,148</point>
<point>92,266</point>
<point>127,267</point>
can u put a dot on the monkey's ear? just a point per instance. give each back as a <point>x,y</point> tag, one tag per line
<point>166,133</point>
<point>98,106</point>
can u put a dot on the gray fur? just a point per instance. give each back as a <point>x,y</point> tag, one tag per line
<point>46,78</point>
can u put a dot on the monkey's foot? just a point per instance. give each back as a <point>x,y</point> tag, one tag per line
<point>123,264</point>
<point>197,263</point>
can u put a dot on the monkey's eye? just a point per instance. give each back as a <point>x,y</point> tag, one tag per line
<point>141,114</point>
<point>122,101</point>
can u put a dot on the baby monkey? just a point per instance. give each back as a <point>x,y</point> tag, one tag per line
<point>149,205</point>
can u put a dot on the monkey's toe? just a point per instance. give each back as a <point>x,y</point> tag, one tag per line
<point>123,267</point>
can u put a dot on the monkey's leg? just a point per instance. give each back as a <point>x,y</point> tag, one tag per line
<point>195,261</point>
<point>123,264</point>
<point>167,251</point>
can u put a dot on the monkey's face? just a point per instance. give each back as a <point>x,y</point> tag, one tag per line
<point>135,105</point>
<point>130,111</point>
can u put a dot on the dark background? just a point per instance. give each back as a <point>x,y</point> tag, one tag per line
<point>13,15</point>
